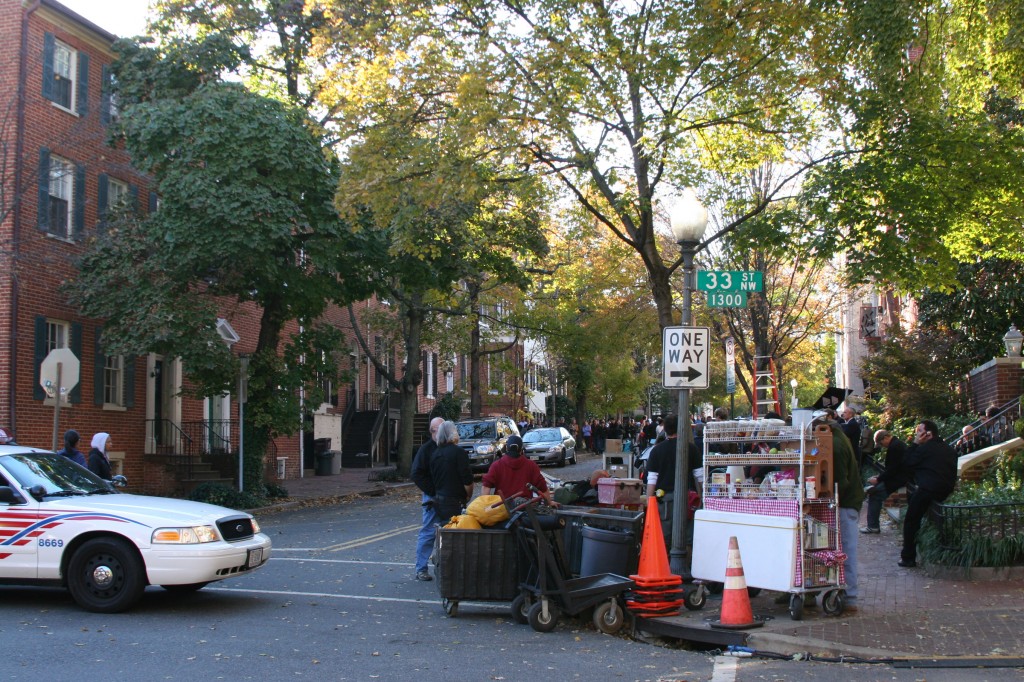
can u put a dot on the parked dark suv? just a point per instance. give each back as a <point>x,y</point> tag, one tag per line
<point>484,439</point>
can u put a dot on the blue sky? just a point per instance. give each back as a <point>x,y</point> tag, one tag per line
<point>121,17</point>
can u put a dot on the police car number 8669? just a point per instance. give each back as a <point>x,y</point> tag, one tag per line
<point>60,524</point>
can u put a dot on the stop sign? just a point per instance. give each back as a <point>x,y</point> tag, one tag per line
<point>69,370</point>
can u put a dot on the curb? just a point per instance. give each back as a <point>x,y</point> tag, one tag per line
<point>298,503</point>
<point>802,646</point>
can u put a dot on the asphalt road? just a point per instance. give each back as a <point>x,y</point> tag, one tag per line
<point>338,601</point>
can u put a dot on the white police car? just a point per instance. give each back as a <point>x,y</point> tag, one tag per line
<point>62,525</point>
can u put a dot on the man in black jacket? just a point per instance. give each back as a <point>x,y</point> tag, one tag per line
<point>889,481</point>
<point>932,465</point>
<point>421,477</point>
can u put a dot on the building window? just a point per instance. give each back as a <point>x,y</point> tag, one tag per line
<point>463,372</point>
<point>58,335</point>
<point>65,76</point>
<point>62,192</point>
<point>117,197</point>
<point>113,380</point>
<point>64,64</point>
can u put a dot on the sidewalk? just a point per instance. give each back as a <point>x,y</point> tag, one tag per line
<point>902,613</point>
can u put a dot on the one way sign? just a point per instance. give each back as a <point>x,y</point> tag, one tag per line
<point>685,361</point>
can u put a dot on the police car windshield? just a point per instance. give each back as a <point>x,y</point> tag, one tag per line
<point>476,431</point>
<point>55,473</point>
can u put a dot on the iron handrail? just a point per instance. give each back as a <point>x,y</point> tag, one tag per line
<point>350,412</point>
<point>378,425</point>
<point>170,440</point>
<point>992,430</point>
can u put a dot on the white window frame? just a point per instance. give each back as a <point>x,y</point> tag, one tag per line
<point>113,381</point>
<point>118,195</point>
<point>62,188</point>
<point>65,65</point>
<point>58,334</point>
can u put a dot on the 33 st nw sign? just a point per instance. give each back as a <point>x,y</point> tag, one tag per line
<point>685,360</point>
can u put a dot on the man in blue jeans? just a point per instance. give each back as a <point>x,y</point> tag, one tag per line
<point>421,477</point>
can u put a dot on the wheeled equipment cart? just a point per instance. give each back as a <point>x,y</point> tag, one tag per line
<point>771,486</point>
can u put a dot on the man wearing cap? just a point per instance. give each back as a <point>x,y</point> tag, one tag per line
<point>510,474</point>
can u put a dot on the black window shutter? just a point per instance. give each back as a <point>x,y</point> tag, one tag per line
<point>79,218</point>
<point>76,348</point>
<point>102,202</point>
<point>129,382</point>
<point>99,369</point>
<point>83,84</point>
<point>105,94</point>
<point>40,354</point>
<point>133,198</point>
<point>423,379</point>
<point>153,200</point>
<point>48,46</point>
<point>437,389</point>
<point>43,211</point>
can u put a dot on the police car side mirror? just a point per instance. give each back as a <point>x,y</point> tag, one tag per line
<point>37,491</point>
<point>119,481</point>
<point>9,496</point>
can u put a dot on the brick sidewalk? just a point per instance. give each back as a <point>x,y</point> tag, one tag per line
<point>903,613</point>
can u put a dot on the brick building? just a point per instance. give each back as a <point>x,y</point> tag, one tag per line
<point>60,179</point>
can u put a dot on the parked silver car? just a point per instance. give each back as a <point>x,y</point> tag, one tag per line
<point>550,445</point>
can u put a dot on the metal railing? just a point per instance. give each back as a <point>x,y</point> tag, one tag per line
<point>164,437</point>
<point>959,525</point>
<point>373,400</point>
<point>378,426</point>
<point>989,430</point>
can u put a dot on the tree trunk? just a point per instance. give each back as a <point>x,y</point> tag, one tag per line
<point>411,378</point>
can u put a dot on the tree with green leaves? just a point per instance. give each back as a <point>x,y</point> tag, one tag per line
<point>933,178</point>
<point>988,297</point>
<point>246,217</point>
<point>627,103</point>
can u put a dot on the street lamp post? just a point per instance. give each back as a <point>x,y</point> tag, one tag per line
<point>689,219</point>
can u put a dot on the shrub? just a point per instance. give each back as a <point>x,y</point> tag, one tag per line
<point>225,496</point>
<point>274,491</point>
<point>983,535</point>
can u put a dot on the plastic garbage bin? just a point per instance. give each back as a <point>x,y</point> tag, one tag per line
<point>607,551</point>
<point>322,456</point>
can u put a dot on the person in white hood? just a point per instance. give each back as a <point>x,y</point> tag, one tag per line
<point>98,462</point>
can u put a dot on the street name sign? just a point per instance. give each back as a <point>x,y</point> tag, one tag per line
<point>727,299</point>
<point>685,360</point>
<point>730,280</point>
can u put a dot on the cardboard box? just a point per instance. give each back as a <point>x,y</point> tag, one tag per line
<point>620,491</point>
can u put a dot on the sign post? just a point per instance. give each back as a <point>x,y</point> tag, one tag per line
<point>58,375</point>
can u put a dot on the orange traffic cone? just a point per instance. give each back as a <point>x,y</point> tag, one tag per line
<point>654,567</point>
<point>736,611</point>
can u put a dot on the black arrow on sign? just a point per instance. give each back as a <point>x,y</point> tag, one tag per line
<point>690,374</point>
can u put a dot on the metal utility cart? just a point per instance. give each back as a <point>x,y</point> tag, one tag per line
<point>475,565</point>
<point>548,591</point>
<point>786,524</point>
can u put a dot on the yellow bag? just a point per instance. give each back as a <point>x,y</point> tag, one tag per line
<point>489,510</point>
<point>463,522</point>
